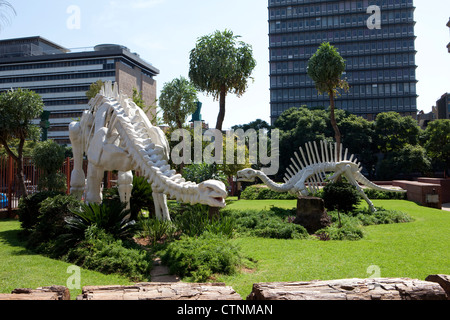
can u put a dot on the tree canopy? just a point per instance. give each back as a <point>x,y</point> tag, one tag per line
<point>220,64</point>
<point>178,100</point>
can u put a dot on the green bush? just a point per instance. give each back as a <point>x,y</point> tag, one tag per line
<point>104,253</point>
<point>267,224</point>
<point>340,196</point>
<point>155,229</point>
<point>29,208</point>
<point>193,220</point>
<point>51,224</point>
<point>385,195</point>
<point>262,192</point>
<point>111,218</point>
<point>382,216</point>
<point>200,257</point>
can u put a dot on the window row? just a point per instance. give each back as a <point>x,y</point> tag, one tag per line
<point>342,21</point>
<point>59,64</point>
<point>65,102</point>
<point>371,90</point>
<point>61,89</point>
<point>349,35</point>
<point>403,104</point>
<point>316,7</point>
<point>59,77</point>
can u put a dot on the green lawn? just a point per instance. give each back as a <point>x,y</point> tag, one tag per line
<point>20,268</point>
<point>413,250</point>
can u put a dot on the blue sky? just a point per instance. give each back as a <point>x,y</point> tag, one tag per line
<point>164,31</point>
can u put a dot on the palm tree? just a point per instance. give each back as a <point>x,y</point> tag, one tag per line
<point>6,9</point>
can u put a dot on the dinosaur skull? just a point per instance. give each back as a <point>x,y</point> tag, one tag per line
<point>212,193</point>
<point>247,175</point>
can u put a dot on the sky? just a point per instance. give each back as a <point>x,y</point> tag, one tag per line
<point>163,32</point>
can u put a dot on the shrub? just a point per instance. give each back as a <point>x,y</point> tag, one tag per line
<point>341,196</point>
<point>111,218</point>
<point>262,192</point>
<point>267,224</point>
<point>382,216</point>
<point>346,232</point>
<point>104,253</point>
<point>51,223</point>
<point>194,220</point>
<point>201,257</point>
<point>156,229</point>
<point>29,208</point>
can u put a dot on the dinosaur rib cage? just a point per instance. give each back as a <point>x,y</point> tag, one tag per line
<point>320,161</point>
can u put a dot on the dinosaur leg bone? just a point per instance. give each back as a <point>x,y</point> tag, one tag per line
<point>125,183</point>
<point>94,180</point>
<point>348,173</point>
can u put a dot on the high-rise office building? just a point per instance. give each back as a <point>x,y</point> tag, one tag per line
<point>62,77</point>
<point>380,59</point>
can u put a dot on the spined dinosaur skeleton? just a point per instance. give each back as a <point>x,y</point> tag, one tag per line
<point>316,169</point>
<point>115,134</point>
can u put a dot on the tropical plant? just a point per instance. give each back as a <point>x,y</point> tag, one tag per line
<point>219,64</point>
<point>49,157</point>
<point>113,219</point>
<point>325,68</point>
<point>178,100</point>
<point>6,9</point>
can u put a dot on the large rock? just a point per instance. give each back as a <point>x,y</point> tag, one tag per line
<point>311,214</point>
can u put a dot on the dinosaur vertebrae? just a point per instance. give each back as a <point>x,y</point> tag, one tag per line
<point>315,162</point>
<point>147,157</point>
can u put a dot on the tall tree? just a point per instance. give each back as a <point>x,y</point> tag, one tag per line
<point>437,143</point>
<point>178,100</point>
<point>17,110</point>
<point>325,68</point>
<point>220,64</point>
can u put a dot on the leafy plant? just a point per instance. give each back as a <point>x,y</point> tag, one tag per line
<point>104,253</point>
<point>200,257</point>
<point>156,229</point>
<point>113,219</point>
<point>340,196</point>
<point>29,208</point>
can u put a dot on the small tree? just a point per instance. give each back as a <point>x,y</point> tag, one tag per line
<point>219,64</point>
<point>325,68</point>
<point>178,100</point>
<point>17,109</point>
<point>49,157</point>
<point>437,142</point>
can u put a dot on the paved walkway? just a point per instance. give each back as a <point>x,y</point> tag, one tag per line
<point>160,273</point>
<point>446,206</point>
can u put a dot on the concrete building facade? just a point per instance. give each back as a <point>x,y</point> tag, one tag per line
<point>380,59</point>
<point>62,77</point>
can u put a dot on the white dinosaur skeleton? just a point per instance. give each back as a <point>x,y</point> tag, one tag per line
<point>115,134</point>
<point>317,168</point>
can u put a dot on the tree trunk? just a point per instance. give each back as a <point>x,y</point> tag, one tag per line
<point>337,133</point>
<point>221,116</point>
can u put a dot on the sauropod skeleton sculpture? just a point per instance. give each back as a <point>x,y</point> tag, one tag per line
<point>115,134</point>
<point>318,167</point>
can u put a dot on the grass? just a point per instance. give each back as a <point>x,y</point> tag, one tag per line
<point>21,268</point>
<point>413,250</point>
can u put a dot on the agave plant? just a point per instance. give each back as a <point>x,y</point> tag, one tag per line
<point>114,219</point>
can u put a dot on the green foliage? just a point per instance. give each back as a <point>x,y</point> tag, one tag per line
<point>111,218</point>
<point>156,229</point>
<point>393,132</point>
<point>262,192</point>
<point>29,208</point>
<point>326,67</point>
<point>94,89</point>
<point>178,100</point>
<point>272,223</point>
<point>437,141</point>
<point>202,172</point>
<point>200,257</point>
<point>141,197</point>
<point>219,64</point>
<point>49,157</point>
<point>194,220</point>
<point>340,196</point>
<point>105,253</point>
<point>382,216</point>
<point>51,224</point>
